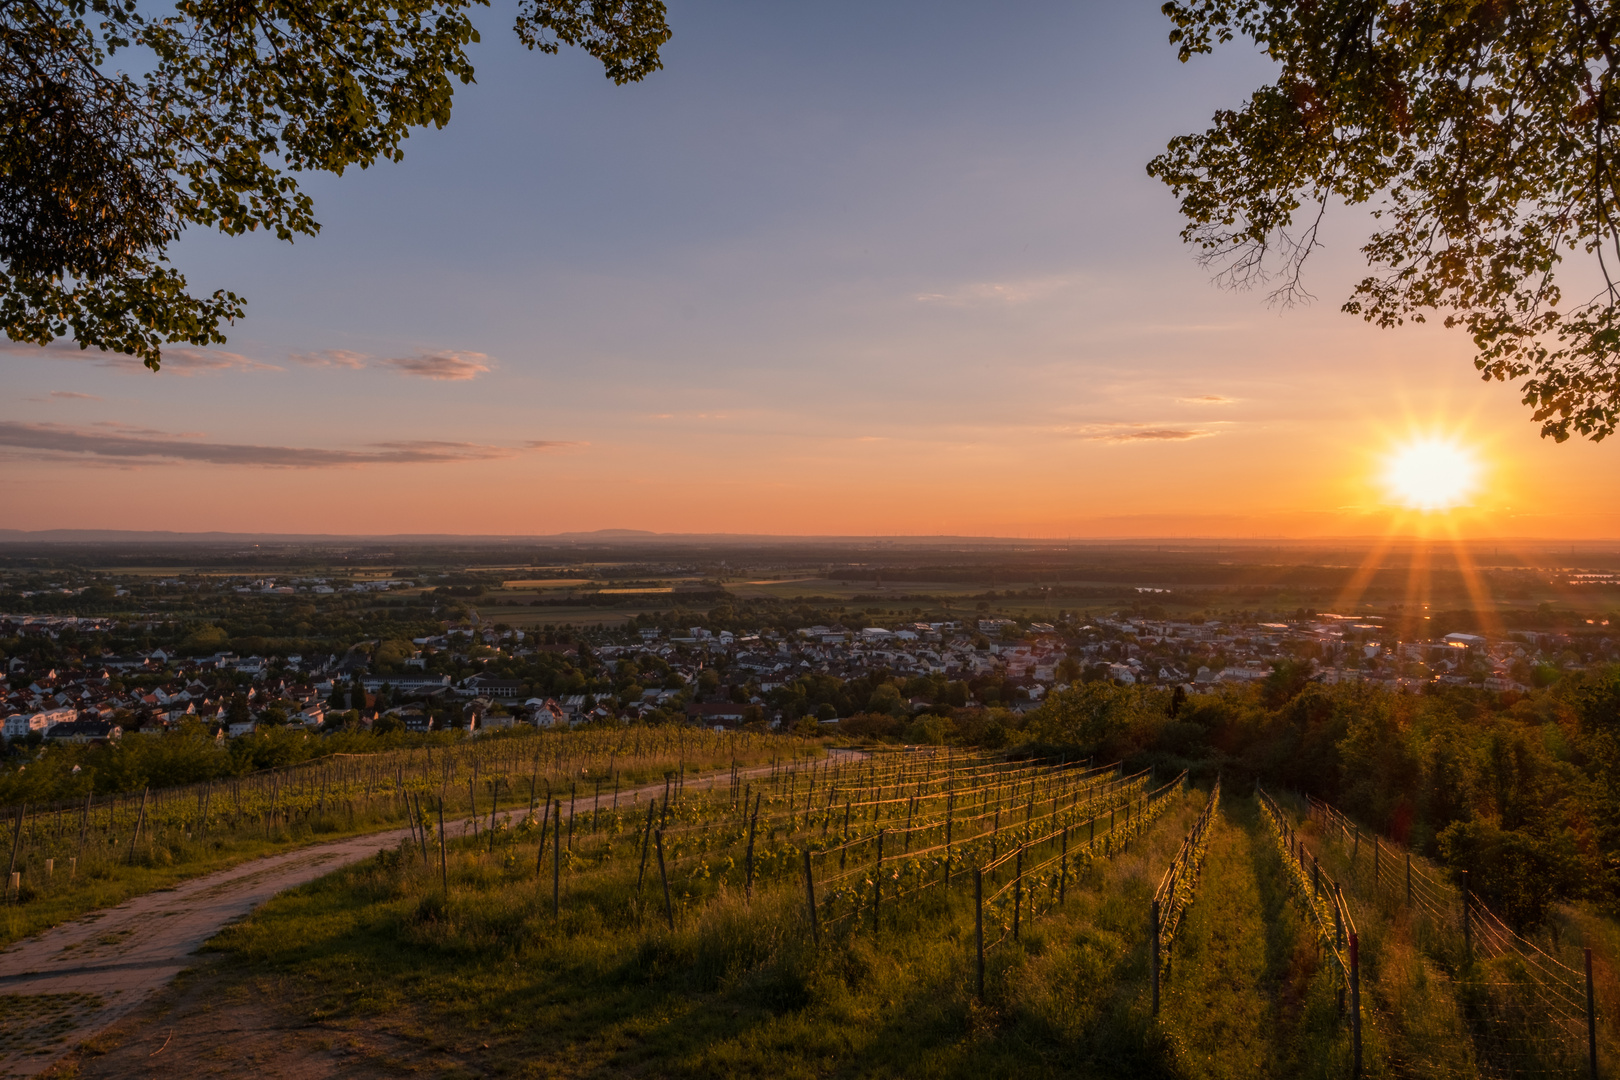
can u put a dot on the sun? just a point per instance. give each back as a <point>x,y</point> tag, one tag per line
<point>1431,473</point>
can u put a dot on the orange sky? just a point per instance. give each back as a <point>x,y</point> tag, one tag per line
<point>865,287</point>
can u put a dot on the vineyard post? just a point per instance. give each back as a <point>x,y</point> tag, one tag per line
<point>1316,878</point>
<point>16,843</point>
<point>540,851</point>
<point>978,927</point>
<point>139,821</point>
<point>1153,925</point>
<point>669,909</point>
<point>444,861</point>
<point>573,790</point>
<point>1409,878</point>
<point>472,809</point>
<point>556,861</point>
<point>1375,863</point>
<point>494,806</point>
<point>1591,1021</point>
<point>950,804</point>
<point>877,883</point>
<point>810,898</point>
<point>646,842</point>
<point>1063,869</point>
<point>748,873</point>
<point>1018,891</point>
<point>1355,1001</point>
<point>421,830</point>
<point>1338,915</point>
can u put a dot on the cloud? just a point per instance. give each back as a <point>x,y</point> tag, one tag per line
<point>129,445</point>
<point>182,361</point>
<point>339,358</point>
<point>1128,433</point>
<point>443,366</point>
<point>73,395</point>
<point>550,444</point>
<point>997,292</point>
<point>1206,399</point>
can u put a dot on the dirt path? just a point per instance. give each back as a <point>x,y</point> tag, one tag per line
<point>76,979</point>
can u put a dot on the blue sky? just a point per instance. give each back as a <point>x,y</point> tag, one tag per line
<point>887,267</point>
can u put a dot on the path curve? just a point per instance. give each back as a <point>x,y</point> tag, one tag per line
<point>72,981</point>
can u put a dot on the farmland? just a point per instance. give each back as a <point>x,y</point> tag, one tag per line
<point>939,913</point>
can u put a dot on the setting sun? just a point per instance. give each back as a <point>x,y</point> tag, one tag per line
<point>1431,474</point>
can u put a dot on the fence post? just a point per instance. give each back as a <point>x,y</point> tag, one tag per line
<point>444,861</point>
<point>1063,869</point>
<point>669,908</point>
<point>748,878</point>
<point>810,898</point>
<point>1591,1021</point>
<point>1338,915</point>
<point>1155,929</point>
<point>978,927</point>
<point>1018,891</point>
<point>877,883</point>
<point>1355,1001</point>
<point>556,861</point>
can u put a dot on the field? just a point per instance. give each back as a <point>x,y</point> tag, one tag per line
<point>676,939</point>
<point>70,858</point>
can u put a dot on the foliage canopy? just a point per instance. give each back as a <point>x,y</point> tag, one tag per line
<point>101,168</point>
<point>1480,132</point>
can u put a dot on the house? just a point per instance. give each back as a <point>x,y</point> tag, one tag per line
<point>84,731</point>
<point>19,725</point>
<point>719,715</point>
<point>490,686</point>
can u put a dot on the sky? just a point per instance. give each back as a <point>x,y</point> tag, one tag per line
<point>886,268</point>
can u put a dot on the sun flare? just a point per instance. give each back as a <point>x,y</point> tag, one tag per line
<point>1431,473</point>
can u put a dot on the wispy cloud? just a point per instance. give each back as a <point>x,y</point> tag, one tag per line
<point>1139,433</point>
<point>443,366</point>
<point>110,441</point>
<point>182,362</point>
<point>1008,293</point>
<point>1206,399</point>
<point>73,395</point>
<point>338,358</point>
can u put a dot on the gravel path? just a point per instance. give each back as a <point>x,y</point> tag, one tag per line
<point>74,980</point>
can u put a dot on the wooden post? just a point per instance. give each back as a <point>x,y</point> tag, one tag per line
<point>1063,869</point>
<point>1018,891</point>
<point>444,861</point>
<point>877,883</point>
<point>748,880</point>
<point>663,875</point>
<point>950,804</point>
<point>556,861</point>
<point>978,928</point>
<point>16,845</point>
<point>472,809</point>
<point>1355,1001</point>
<point>1591,1021</point>
<point>1153,925</point>
<point>810,898</point>
<point>140,820</point>
<point>646,843</point>
<point>540,852</point>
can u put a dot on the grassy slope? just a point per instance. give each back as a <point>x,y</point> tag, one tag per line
<point>488,983</point>
<point>1249,994</point>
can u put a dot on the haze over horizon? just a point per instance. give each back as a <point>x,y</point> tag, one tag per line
<point>807,280</point>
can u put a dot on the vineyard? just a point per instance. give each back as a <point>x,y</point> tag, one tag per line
<point>70,857</point>
<point>902,912</point>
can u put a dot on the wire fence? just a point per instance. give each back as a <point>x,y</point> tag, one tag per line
<point>1530,1011</point>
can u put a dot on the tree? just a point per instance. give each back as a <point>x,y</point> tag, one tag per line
<point>101,170</point>
<point>1483,137</point>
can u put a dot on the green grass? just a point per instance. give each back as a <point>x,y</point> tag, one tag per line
<point>1249,993</point>
<point>484,980</point>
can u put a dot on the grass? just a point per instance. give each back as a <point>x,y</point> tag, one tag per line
<point>1249,993</point>
<point>484,980</point>
<point>173,848</point>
